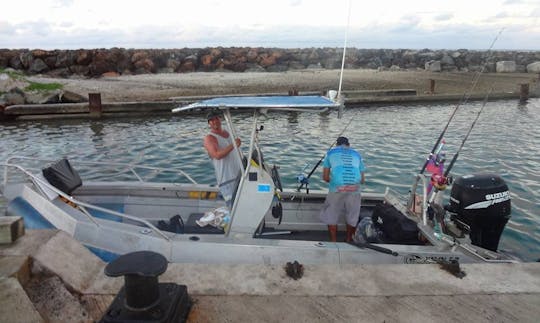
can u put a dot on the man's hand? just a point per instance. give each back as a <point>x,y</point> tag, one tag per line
<point>238,142</point>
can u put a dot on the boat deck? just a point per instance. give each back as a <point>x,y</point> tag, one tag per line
<point>261,293</point>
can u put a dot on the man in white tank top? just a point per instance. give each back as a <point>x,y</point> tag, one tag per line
<point>220,148</point>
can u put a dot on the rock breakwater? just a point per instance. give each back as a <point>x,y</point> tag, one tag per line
<point>119,61</point>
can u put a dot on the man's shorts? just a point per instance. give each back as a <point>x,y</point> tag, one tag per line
<point>337,204</point>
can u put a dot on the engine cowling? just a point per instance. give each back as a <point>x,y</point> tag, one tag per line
<point>482,201</point>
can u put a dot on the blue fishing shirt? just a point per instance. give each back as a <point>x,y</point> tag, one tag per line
<point>346,167</point>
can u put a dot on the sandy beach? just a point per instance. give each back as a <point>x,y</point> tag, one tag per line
<point>159,87</point>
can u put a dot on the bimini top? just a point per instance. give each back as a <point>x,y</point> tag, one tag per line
<point>279,103</point>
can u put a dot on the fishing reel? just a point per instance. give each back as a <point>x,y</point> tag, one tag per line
<point>440,182</point>
<point>303,179</point>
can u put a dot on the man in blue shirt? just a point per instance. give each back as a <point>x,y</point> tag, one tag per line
<point>343,168</point>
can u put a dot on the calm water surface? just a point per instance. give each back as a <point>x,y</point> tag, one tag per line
<point>394,141</point>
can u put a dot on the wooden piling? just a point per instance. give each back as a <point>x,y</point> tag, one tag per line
<point>431,86</point>
<point>524,92</point>
<point>94,104</point>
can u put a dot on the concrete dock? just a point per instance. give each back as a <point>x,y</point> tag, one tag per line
<point>46,276</point>
<point>128,109</point>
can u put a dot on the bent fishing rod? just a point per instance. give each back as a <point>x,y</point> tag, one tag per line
<point>456,155</point>
<point>322,158</point>
<point>463,100</point>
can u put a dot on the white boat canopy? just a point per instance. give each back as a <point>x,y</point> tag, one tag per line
<point>303,103</point>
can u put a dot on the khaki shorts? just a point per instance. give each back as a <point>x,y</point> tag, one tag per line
<point>337,204</point>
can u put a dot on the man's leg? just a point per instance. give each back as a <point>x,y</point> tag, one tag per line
<point>350,233</point>
<point>332,230</point>
<point>329,214</point>
<point>352,205</point>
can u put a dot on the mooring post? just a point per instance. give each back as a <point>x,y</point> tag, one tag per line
<point>431,86</point>
<point>524,92</point>
<point>94,104</point>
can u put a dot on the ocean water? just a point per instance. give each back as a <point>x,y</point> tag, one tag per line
<point>393,139</point>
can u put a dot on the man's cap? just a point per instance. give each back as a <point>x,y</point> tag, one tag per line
<point>213,114</point>
<point>342,141</point>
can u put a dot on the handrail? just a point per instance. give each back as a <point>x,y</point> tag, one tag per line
<point>87,205</point>
<point>424,197</point>
<point>130,167</point>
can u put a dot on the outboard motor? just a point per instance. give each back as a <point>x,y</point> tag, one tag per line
<point>482,201</point>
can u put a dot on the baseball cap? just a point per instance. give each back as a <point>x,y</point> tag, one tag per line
<point>342,141</point>
<point>213,114</point>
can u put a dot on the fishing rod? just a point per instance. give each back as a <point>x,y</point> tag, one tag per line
<point>452,162</point>
<point>443,180</point>
<point>463,100</point>
<point>305,180</point>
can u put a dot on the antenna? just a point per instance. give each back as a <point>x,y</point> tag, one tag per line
<point>344,50</point>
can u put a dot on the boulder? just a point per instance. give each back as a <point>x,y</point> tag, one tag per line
<point>139,55</point>
<point>110,74</point>
<point>187,66</point>
<point>173,64</point>
<point>206,61</point>
<point>8,83</point>
<point>145,65</point>
<point>252,55</point>
<point>72,97</point>
<point>433,66</point>
<point>447,60</point>
<point>80,70</point>
<point>38,66</point>
<point>533,67</point>
<point>14,96</point>
<point>60,72</point>
<point>64,59</point>
<point>506,67</point>
<point>43,97</point>
<point>15,62</point>
<point>83,57</point>
<point>266,60</point>
<point>40,53</point>
<point>101,63</point>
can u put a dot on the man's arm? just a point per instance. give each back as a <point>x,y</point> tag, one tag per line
<point>326,174</point>
<point>211,145</point>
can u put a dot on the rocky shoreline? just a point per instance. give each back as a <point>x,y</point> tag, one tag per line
<point>92,63</point>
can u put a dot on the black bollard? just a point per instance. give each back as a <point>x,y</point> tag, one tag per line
<point>143,298</point>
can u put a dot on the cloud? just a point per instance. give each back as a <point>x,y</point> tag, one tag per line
<point>410,31</point>
<point>444,16</point>
<point>62,3</point>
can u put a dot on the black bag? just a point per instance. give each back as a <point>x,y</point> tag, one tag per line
<point>397,227</point>
<point>62,176</point>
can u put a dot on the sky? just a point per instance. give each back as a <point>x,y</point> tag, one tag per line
<point>413,24</point>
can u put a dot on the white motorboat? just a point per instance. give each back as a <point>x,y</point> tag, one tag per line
<point>125,211</point>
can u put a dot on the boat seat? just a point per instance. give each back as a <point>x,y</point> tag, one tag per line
<point>62,176</point>
<point>191,227</point>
